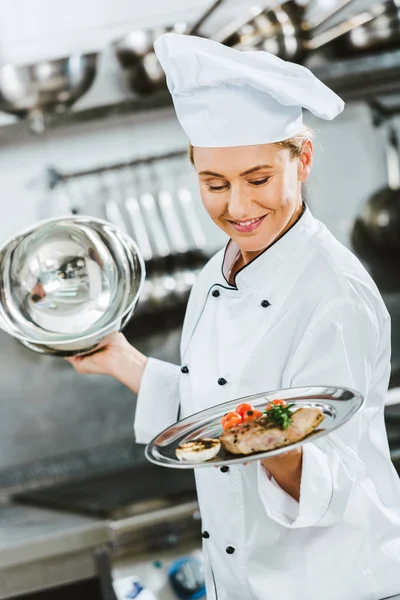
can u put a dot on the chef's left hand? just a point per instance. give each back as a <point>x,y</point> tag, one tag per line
<point>282,461</point>
<point>286,470</point>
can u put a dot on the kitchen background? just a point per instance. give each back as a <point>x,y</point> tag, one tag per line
<point>81,512</point>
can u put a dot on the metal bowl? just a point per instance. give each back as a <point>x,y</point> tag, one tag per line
<point>134,51</point>
<point>66,283</point>
<point>45,87</point>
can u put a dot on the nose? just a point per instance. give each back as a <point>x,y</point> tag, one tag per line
<point>239,204</point>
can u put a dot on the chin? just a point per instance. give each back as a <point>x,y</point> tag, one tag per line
<point>255,244</point>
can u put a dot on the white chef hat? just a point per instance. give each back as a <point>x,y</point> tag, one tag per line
<point>226,97</point>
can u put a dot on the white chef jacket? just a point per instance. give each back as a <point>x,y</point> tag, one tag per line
<point>324,323</point>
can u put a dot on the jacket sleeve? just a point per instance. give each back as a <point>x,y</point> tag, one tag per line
<point>158,400</point>
<point>339,348</point>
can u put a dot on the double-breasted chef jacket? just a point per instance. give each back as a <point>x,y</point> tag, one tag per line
<point>304,312</point>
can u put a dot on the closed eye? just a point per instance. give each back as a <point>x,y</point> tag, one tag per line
<point>219,188</point>
<point>260,181</point>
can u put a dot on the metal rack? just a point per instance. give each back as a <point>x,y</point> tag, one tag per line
<point>145,160</point>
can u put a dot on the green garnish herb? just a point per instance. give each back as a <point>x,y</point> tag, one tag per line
<point>280,415</point>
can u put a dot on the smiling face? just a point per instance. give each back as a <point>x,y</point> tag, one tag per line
<point>253,193</point>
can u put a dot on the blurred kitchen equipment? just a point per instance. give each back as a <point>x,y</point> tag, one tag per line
<point>153,524</point>
<point>383,32</point>
<point>46,87</point>
<point>376,231</point>
<point>186,249</point>
<point>274,29</point>
<point>135,53</point>
<point>135,221</point>
<point>67,283</point>
<point>176,262</point>
<point>189,213</point>
<point>285,31</point>
<point>108,187</point>
<point>195,28</point>
<point>143,72</point>
<point>325,12</point>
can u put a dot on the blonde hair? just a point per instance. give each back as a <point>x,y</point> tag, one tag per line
<point>294,144</point>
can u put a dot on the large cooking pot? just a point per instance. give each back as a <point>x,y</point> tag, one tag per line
<point>135,53</point>
<point>376,232</point>
<point>143,72</point>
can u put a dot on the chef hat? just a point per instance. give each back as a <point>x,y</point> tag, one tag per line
<point>226,97</point>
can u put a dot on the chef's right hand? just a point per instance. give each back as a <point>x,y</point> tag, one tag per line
<point>117,358</point>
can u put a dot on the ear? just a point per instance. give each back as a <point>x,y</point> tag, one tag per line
<point>305,161</point>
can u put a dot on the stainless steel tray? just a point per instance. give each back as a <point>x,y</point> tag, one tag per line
<point>338,405</point>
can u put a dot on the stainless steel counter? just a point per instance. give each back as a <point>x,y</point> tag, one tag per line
<point>43,548</point>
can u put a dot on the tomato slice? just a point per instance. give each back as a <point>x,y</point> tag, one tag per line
<point>230,420</point>
<point>242,409</point>
<point>252,414</point>
<point>276,402</point>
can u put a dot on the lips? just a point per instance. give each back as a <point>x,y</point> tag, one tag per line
<point>249,225</point>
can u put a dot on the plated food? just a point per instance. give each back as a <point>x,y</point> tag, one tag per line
<point>263,425</point>
<point>248,430</point>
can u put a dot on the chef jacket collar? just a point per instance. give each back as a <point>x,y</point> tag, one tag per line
<point>281,253</point>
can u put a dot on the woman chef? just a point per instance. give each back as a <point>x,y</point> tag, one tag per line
<point>284,305</point>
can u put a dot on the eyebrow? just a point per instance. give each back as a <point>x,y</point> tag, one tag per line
<point>248,172</point>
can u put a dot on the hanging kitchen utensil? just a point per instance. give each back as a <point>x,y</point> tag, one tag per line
<point>138,230</point>
<point>135,217</point>
<point>187,260</point>
<point>154,224</point>
<point>112,210</point>
<point>187,210</point>
<point>135,53</point>
<point>381,33</point>
<point>161,271</point>
<point>376,232</point>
